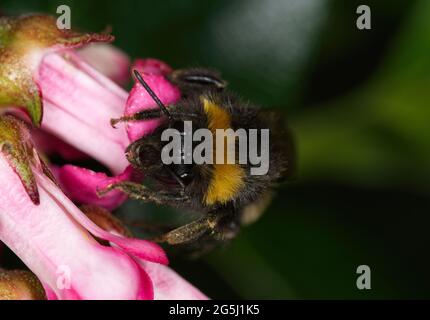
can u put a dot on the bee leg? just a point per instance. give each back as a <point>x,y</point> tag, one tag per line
<point>141,115</point>
<point>140,192</point>
<point>149,115</point>
<point>191,231</point>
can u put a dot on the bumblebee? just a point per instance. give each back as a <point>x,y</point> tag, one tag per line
<point>226,196</point>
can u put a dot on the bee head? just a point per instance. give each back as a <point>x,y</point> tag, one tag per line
<point>145,155</point>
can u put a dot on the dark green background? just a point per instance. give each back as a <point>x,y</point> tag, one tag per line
<point>358,104</point>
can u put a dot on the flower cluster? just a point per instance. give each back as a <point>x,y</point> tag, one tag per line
<point>58,92</point>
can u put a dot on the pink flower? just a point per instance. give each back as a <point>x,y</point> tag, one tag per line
<point>56,240</point>
<point>63,94</point>
<point>81,184</point>
<point>108,60</point>
<point>74,102</point>
<point>66,97</point>
<point>78,104</point>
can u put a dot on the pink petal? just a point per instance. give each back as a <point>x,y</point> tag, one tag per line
<point>86,138</point>
<point>146,291</point>
<point>142,249</point>
<point>78,62</point>
<point>168,285</point>
<point>77,92</point>
<point>139,100</point>
<point>109,60</point>
<point>79,103</point>
<point>81,185</point>
<point>50,294</point>
<point>151,66</point>
<point>53,245</point>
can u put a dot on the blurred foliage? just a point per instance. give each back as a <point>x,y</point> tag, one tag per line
<point>357,102</point>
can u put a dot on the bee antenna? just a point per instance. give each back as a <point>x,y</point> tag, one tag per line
<point>152,94</point>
